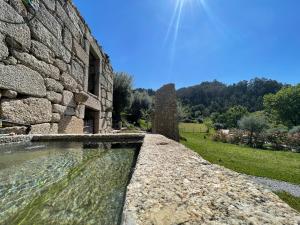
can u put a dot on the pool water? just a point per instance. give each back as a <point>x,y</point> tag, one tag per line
<point>64,183</point>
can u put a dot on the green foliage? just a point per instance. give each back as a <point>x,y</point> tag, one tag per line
<point>295,130</point>
<point>285,105</point>
<point>209,97</point>
<point>182,112</point>
<point>141,102</point>
<point>254,124</point>
<point>231,117</point>
<point>121,94</point>
<point>277,165</point>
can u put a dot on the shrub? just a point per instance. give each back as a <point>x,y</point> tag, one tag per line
<point>295,130</point>
<point>277,137</point>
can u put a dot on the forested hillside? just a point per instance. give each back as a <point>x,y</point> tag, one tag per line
<point>209,97</point>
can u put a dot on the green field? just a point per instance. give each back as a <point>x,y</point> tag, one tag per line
<point>277,165</point>
<point>294,202</point>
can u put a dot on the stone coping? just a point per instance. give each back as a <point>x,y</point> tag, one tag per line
<point>174,185</point>
<point>115,138</point>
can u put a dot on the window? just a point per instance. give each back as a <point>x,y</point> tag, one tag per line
<point>93,79</point>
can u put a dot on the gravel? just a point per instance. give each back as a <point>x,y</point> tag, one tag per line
<point>276,185</point>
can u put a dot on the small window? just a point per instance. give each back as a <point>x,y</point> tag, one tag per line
<point>90,121</point>
<point>93,79</point>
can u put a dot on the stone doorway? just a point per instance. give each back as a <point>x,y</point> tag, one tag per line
<point>91,121</point>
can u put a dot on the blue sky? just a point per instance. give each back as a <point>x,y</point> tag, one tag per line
<point>227,40</point>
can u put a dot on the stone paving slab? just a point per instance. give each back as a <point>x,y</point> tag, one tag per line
<point>174,185</point>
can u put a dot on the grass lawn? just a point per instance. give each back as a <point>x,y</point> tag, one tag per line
<point>277,165</point>
<point>192,128</point>
<point>294,202</point>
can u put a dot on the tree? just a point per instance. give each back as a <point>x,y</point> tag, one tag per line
<point>140,101</point>
<point>122,90</point>
<point>231,117</point>
<point>254,124</point>
<point>285,105</point>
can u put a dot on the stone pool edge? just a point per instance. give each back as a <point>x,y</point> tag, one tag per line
<point>174,185</point>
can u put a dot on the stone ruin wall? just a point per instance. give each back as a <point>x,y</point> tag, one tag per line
<point>165,118</point>
<point>44,69</point>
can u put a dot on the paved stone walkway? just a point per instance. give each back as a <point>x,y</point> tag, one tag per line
<point>276,185</point>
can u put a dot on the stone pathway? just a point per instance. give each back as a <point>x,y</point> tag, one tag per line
<point>276,185</point>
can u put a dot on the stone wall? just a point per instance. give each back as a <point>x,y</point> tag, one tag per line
<point>165,119</point>
<point>45,67</point>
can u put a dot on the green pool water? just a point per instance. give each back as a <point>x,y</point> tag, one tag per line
<point>64,183</point>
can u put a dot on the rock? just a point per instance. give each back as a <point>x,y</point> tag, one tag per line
<point>81,97</point>
<point>56,108</point>
<point>10,61</point>
<point>165,119</point>
<point>78,72</point>
<point>80,111</point>
<point>70,111</point>
<point>3,48</point>
<point>67,39</point>
<point>68,99</point>
<point>19,7</point>
<point>15,130</point>
<point>19,34</point>
<point>49,21</point>
<point>40,33</point>
<point>55,117</point>
<point>40,128</point>
<point>22,80</point>
<point>46,70</point>
<point>54,97</point>
<point>42,52</point>
<point>9,94</point>
<point>69,82</point>
<point>109,96</point>
<point>80,53</point>
<point>53,85</point>
<point>61,65</point>
<point>50,4</point>
<point>27,111</point>
<point>53,128</point>
<point>70,125</point>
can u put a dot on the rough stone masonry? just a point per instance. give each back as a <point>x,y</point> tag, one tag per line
<point>165,119</point>
<point>53,74</point>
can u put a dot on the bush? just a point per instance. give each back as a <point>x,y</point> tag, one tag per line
<point>295,130</point>
<point>277,137</point>
<point>218,126</point>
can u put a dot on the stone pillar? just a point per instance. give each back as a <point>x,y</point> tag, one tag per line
<point>165,120</point>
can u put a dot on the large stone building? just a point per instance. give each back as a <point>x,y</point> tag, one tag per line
<point>53,74</point>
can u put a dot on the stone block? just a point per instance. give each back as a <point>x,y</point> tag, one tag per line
<point>14,130</point>
<point>70,111</point>
<point>81,97</point>
<point>69,82</point>
<point>9,94</point>
<point>53,128</point>
<point>50,4</point>
<point>40,33</point>
<point>10,61</point>
<point>40,128</point>
<point>55,117</point>
<point>54,97</point>
<point>46,70</point>
<point>68,22</point>
<point>70,125</point>
<point>80,111</point>
<point>67,39</point>
<point>3,48</point>
<point>80,53</point>
<point>53,85</point>
<point>60,109</point>
<point>18,33</point>
<point>22,80</point>
<point>93,103</point>
<point>78,72</point>
<point>61,65</point>
<point>42,52</point>
<point>109,96</point>
<point>27,111</point>
<point>68,99</point>
<point>49,21</point>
